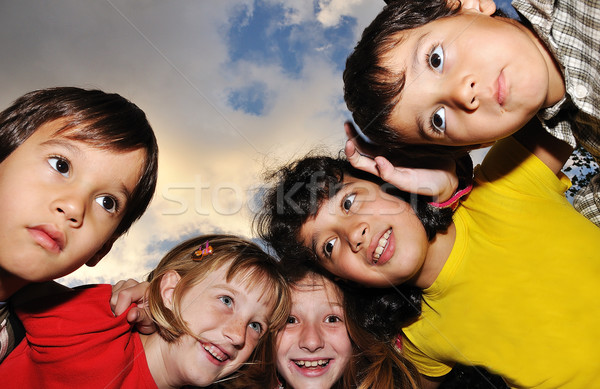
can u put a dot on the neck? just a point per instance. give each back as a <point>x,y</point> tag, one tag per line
<point>153,348</point>
<point>437,254</point>
<point>9,284</point>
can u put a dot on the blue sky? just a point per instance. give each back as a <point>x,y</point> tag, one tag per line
<point>257,35</point>
<point>231,88</point>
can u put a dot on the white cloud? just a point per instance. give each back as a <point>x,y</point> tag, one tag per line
<point>332,10</point>
<point>170,59</point>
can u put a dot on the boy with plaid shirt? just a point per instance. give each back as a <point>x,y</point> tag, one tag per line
<point>429,77</point>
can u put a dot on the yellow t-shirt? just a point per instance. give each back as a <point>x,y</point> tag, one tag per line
<point>520,290</point>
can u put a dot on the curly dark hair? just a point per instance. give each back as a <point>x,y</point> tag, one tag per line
<point>299,190</point>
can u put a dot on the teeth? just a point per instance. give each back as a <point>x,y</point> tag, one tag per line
<point>381,246</point>
<point>320,362</point>
<point>212,352</point>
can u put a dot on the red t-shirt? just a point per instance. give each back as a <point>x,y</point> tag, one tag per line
<point>73,340</point>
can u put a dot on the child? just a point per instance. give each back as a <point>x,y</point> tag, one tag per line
<point>215,298</point>
<point>317,330</point>
<point>77,168</point>
<point>427,77</point>
<point>501,287</point>
<point>320,348</point>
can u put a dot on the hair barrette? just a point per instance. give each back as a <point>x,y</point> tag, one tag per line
<point>202,251</point>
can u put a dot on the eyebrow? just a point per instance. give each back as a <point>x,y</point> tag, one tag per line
<point>69,145</point>
<point>62,143</point>
<point>314,243</point>
<point>415,67</point>
<point>416,50</point>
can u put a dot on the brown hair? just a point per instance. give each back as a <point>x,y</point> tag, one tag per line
<point>104,120</point>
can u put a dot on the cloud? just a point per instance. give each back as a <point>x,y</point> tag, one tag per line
<point>333,10</point>
<point>221,115</point>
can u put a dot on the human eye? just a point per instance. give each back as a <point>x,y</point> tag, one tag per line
<point>291,320</point>
<point>228,301</point>
<point>328,247</point>
<point>438,120</point>
<point>347,202</point>
<point>435,58</point>
<point>60,164</point>
<point>256,326</point>
<point>332,319</point>
<point>109,203</point>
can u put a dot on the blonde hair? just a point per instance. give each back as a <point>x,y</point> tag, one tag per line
<point>244,258</point>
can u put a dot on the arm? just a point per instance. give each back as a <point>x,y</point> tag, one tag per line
<point>124,293</point>
<point>431,382</point>
<point>550,150</point>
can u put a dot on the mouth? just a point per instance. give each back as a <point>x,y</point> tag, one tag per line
<point>501,89</point>
<point>315,364</point>
<point>381,246</point>
<point>48,237</point>
<point>215,352</point>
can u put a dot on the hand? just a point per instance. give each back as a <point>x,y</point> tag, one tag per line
<point>124,293</point>
<point>363,147</point>
<point>438,182</point>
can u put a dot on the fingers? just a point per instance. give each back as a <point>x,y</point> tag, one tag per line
<point>350,130</point>
<point>438,183</point>
<point>388,172</point>
<point>358,160</point>
<point>359,143</point>
<point>140,317</point>
<point>404,179</point>
<point>127,292</point>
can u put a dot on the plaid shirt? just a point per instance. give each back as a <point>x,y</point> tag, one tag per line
<point>571,30</point>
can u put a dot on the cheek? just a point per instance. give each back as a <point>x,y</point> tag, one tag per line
<point>249,347</point>
<point>342,344</point>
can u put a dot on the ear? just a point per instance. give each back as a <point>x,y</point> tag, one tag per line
<point>93,261</point>
<point>485,7</point>
<point>167,287</point>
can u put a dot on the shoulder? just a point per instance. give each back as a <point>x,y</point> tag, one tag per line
<point>64,304</point>
<point>530,161</point>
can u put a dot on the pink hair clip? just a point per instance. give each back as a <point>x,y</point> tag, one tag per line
<point>199,253</point>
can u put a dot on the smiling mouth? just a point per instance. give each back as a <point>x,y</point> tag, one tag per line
<point>216,353</point>
<point>312,364</point>
<point>383,242</point>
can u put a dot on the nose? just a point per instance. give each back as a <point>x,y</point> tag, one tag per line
<point>72,207</point>
<point>311,338</point>
<point>463,94</point>
<point>236,332</point>
<point>357,236</point>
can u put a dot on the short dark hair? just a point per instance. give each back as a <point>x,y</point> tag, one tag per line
<point>104,120</point>
<point>371,90</point>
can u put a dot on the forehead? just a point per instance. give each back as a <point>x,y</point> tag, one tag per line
<point>314,295</point>
<point>316,284</point>
<point>49,130</point>
<point>406,60</point>
<point>256,284</point>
